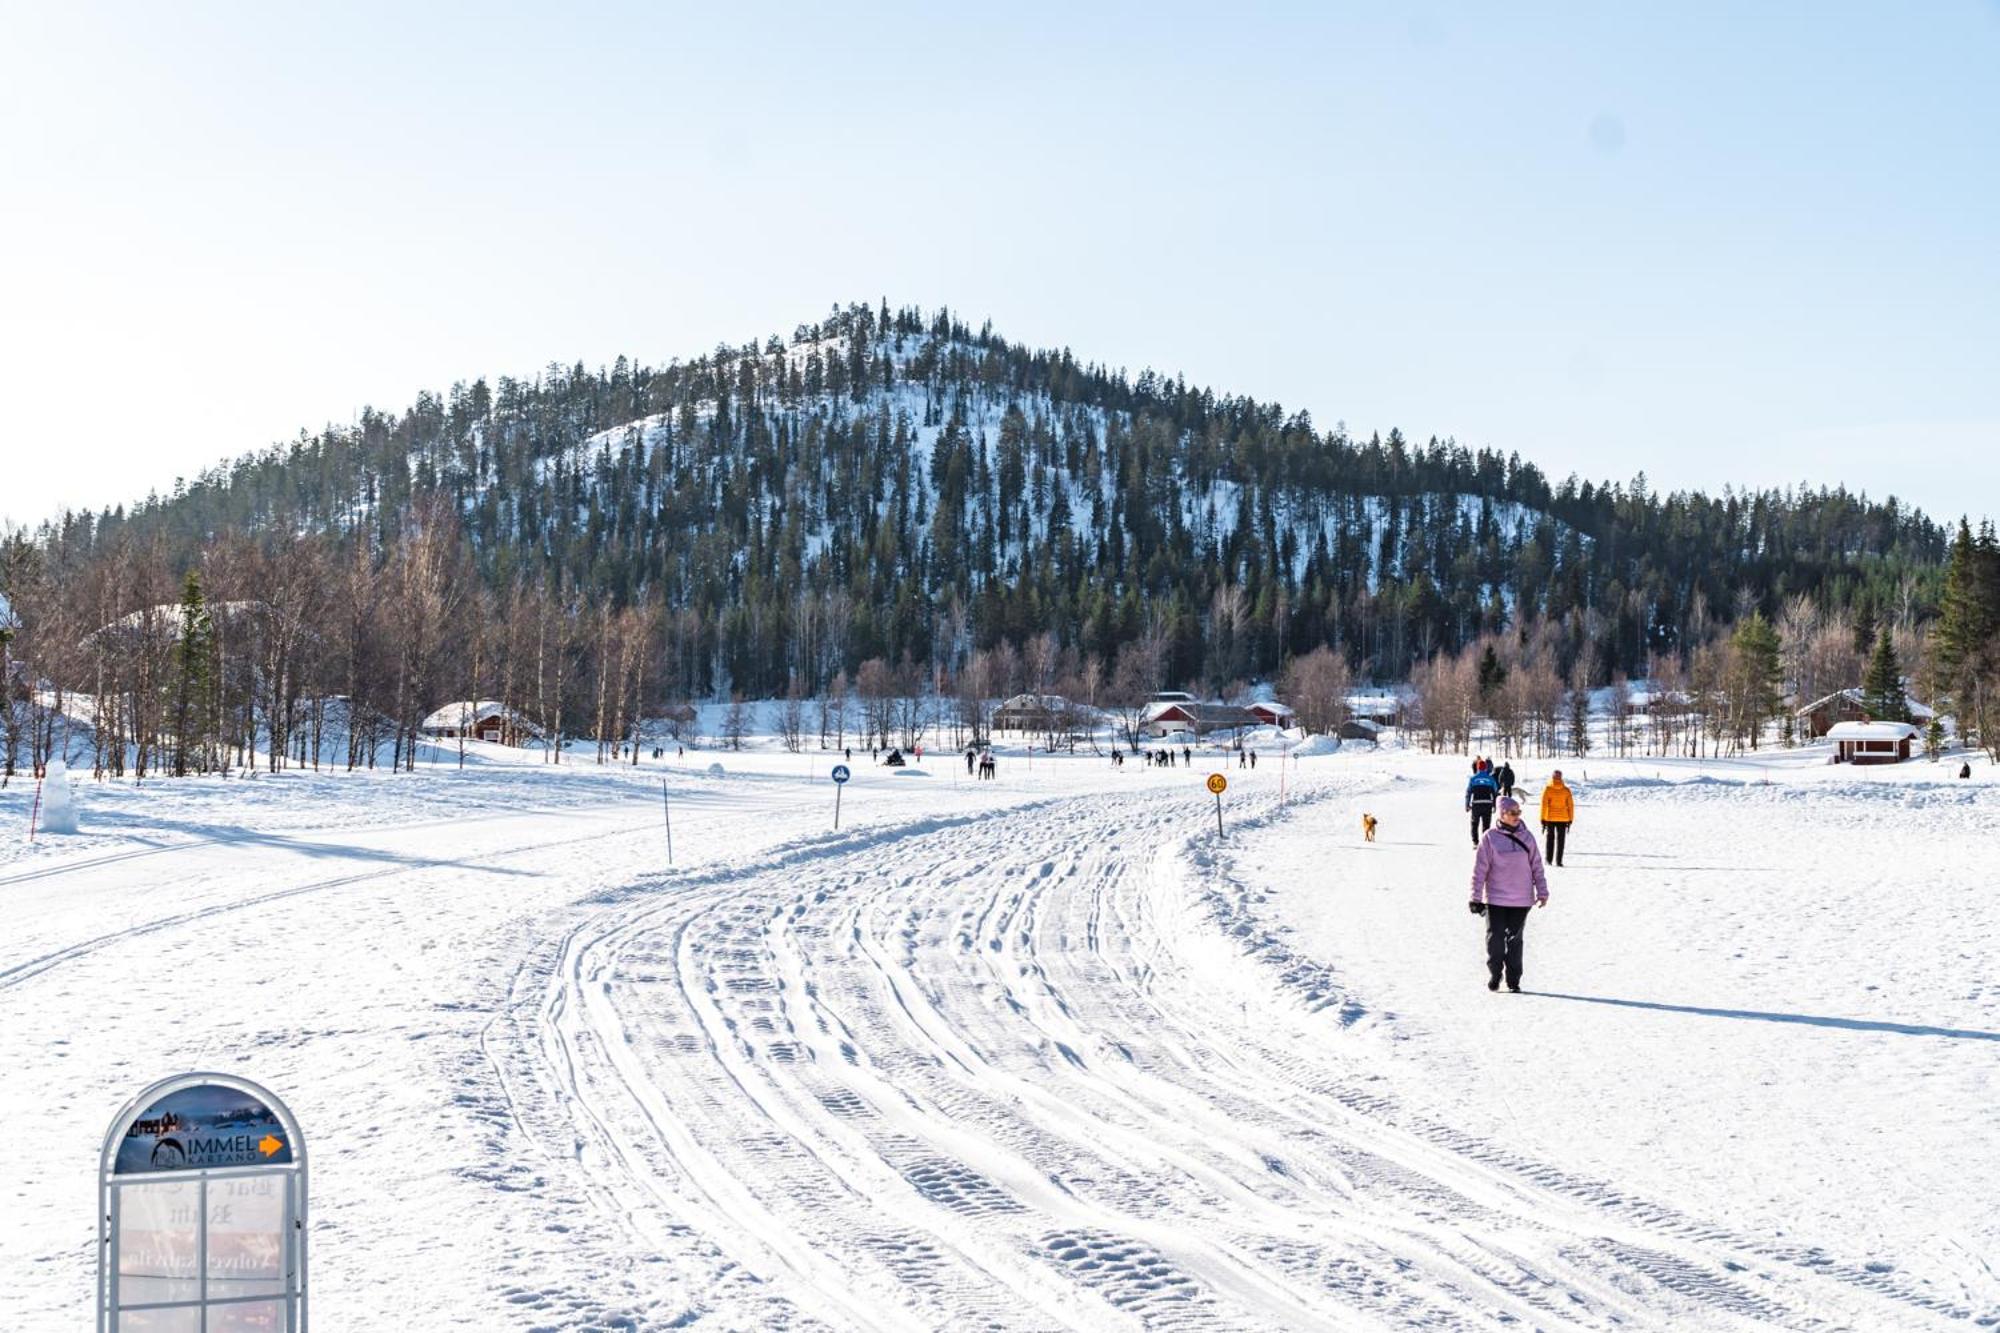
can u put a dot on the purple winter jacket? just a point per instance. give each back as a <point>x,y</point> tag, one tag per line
<point>1507,874</point>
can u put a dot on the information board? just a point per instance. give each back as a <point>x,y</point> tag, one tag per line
<point>202,1211</point>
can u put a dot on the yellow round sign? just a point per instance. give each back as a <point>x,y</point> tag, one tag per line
<point>1216,783</point>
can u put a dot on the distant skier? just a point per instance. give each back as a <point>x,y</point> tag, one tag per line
<point>968,761</point>
<point>1505,777</point>
<point>1558,809</point>
<point>1253,759</point>
<point>1507,879</point>
<point>1187,756</point>
<point>1480,794</point>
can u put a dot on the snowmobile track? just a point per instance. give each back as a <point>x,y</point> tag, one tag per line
<point>975,1073</point>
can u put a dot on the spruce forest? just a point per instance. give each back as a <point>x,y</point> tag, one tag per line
<point>893,504</point>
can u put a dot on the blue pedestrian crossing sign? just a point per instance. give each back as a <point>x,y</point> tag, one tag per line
<point>840,773</point>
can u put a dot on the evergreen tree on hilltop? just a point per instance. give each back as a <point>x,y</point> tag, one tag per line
<point>1882,686</point>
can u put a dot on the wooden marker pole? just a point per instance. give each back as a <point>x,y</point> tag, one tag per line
<point>667,810</point>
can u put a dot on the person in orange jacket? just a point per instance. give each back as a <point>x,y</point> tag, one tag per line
<point>1558,810</point>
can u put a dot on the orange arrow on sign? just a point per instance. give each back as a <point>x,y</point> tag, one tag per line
<point>270,1144</point>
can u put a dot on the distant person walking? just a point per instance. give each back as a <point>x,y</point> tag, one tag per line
<point>1965,770</point>
<point>1507,879</point>
<point>1480,794</point>
<point>1504,776</point>
<point>1558,809</point>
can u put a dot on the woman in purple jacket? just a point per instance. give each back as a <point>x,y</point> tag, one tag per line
<point>1507,879</point>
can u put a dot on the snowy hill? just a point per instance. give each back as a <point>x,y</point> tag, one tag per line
<point>897,484</point>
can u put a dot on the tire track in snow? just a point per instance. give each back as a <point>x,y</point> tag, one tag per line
<point>984,1072</point>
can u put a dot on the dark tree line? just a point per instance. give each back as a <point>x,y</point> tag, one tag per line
<point>890,486</point>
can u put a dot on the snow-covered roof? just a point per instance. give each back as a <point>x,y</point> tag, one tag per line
<point>1029,702</point>
<point>1871,731</point>
<point>1203,714</point>
<point>464,713</point>
<point>1853,695</point>
<point>1374,704</point>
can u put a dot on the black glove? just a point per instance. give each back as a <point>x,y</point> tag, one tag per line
<point>1478,908</point>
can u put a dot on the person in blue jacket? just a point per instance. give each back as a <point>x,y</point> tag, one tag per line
<point>1480,794</point>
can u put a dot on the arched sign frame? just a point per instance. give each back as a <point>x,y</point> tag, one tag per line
<point>288,1175</point>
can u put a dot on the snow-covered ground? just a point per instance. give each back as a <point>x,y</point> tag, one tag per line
<point>1039,1052</point>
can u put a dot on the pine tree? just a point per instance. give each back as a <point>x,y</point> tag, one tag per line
<point>1492,675</point>
<point>1963,625</point>
<point>1864,626</point>
<point>1756,675</point>
<point>192,679</point>
<point>1882,686</point>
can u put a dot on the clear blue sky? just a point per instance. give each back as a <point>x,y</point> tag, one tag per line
<point>1723,243</point>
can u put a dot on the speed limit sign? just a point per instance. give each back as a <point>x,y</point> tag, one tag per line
<point>1217,783</point>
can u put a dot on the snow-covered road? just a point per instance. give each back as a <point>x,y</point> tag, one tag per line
<point>1024,1055</point>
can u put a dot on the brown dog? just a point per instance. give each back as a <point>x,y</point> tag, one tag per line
<point>1368,827</point>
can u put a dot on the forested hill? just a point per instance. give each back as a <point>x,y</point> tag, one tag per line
<point>896,484</point>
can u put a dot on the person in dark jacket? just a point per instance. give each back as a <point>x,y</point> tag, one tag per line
<point>1507,880</point>
<point>1480,794</point>
<point>1504,775</point>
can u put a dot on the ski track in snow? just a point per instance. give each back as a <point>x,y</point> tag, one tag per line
<point>969,1074</point>
<point>990,1060</point>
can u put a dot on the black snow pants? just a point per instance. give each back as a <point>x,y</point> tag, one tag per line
<point>1504,928</point>
<point>1556,837</point>
<point>1482,819</point>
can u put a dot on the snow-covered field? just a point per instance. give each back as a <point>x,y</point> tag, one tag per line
<point>1040,1052</point>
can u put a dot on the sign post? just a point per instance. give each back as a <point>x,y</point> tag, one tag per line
<point>667,810</point>
<point>202,1210</point>
<point>840,776</point>
<point>1218,784</point>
